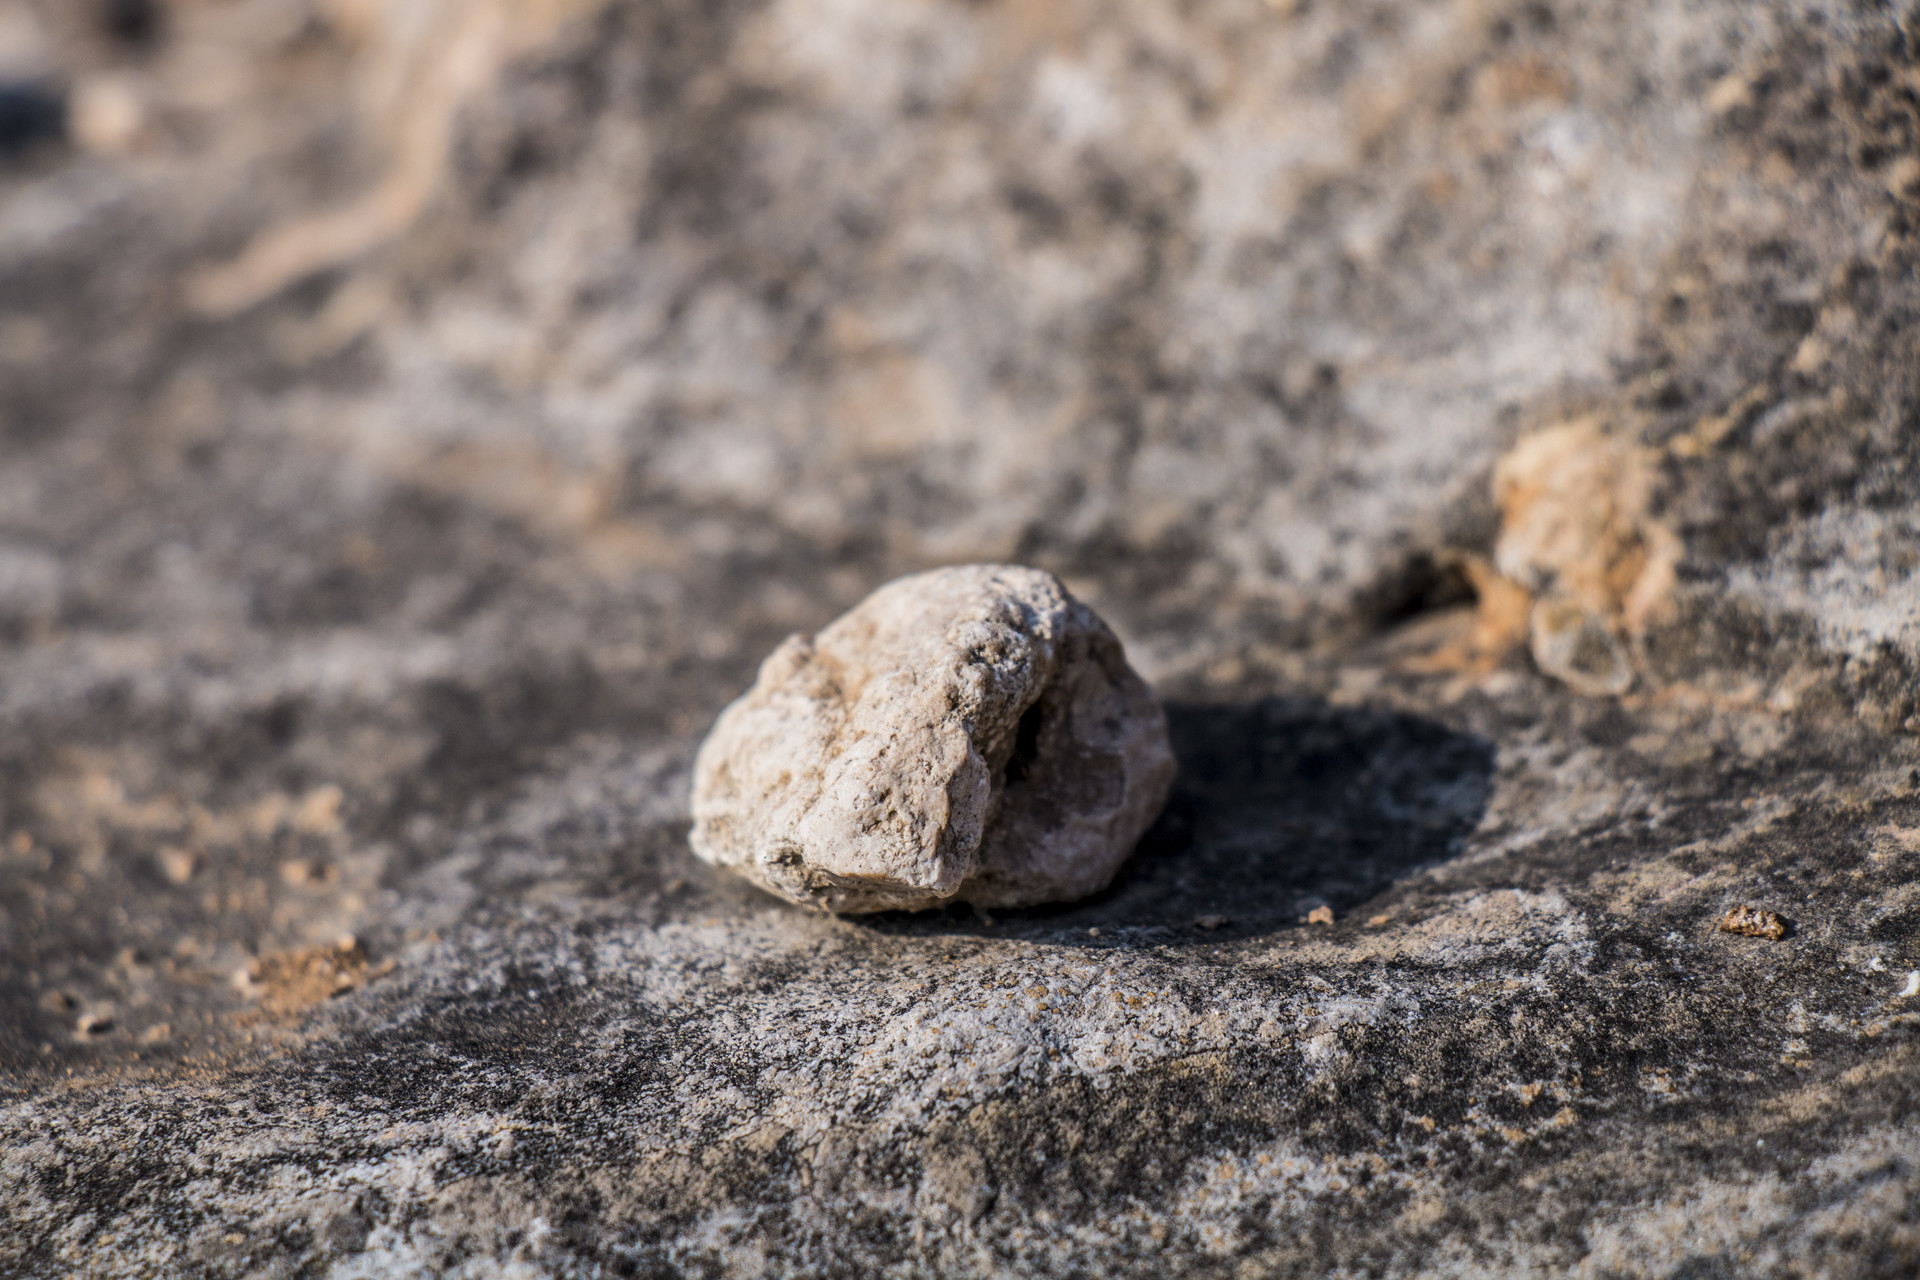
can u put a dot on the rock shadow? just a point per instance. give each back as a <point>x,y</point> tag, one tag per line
<point>1281,805</point>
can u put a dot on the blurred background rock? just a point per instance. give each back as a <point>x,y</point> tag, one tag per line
<point>1238,302</point>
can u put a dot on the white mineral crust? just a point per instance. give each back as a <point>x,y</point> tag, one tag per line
<point>969,734</point>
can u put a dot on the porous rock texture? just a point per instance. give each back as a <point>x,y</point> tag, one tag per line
<point>1490,424</point>
<point>969,734</point>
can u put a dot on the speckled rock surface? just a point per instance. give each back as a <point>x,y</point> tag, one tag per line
<point>1491,428</point>
<point>971,734</point>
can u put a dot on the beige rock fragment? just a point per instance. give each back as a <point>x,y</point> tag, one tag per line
<point>1577,533</point>
<point>969,734</point>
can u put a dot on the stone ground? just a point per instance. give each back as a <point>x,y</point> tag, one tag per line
<point>1494,427</point>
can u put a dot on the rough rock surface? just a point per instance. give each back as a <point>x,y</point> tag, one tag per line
<point>397,605</point>
<point>969,734</point>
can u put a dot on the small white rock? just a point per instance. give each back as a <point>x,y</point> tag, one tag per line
<point>969,734</point>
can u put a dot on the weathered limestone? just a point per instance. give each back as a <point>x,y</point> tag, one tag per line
<point>973,733</point>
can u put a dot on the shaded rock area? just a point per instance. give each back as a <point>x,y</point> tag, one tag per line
<point>1493,428</point>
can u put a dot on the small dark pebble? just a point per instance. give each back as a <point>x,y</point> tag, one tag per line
<point>31,112</point>
<point>1756,922</point>
<point>132,22</point>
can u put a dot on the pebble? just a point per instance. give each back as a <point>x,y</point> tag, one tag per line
<point>178,865</point>
<point>30,113</point>
<point>1750,921</point>
<point>971,734</point>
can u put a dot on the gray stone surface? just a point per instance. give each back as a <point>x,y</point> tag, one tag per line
<point>396,603</point>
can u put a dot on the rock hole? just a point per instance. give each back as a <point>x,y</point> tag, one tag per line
<point>1421,584</point>
<point>1026,743</point>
